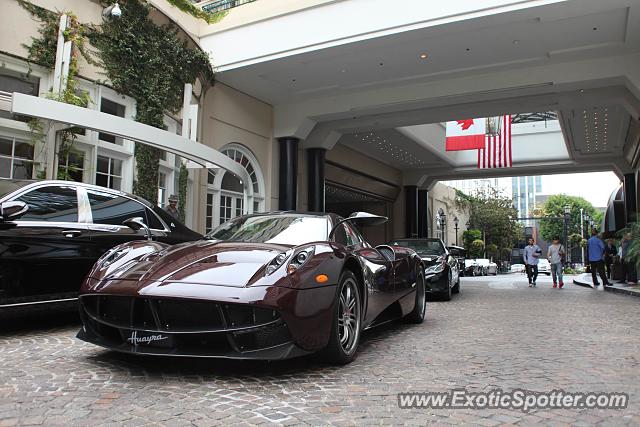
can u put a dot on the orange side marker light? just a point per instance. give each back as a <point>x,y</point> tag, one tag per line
<point>322,278</point>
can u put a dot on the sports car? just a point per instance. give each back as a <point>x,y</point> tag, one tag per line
<point>260,286</point>
<point>442,276</point>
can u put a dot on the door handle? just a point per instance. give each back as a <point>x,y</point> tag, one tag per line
<point>71,233</point>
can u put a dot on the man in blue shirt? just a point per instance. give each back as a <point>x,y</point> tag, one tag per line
<point>595,250</point>
<point>531,257</point>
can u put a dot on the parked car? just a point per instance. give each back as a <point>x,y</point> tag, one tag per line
<point>460,254</point>
<point>544,266</point>
<point>260,286</point>
<point>517,268</point>
<point>472,268</point>
<point>52,232</point>
<point>487,267</point>
<point>441,268</point>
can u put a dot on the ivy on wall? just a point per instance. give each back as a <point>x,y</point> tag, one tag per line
<point>42,50</point>
<point>187,7</point>
<point>150,63</point>
<point>183,180</point>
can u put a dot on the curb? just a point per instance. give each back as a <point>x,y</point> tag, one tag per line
<point>635,293</point>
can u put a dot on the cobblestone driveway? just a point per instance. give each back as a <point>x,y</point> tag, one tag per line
<point>496,333</point>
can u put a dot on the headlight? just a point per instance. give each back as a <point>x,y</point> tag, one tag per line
<point>300,258</point>
<point>438,267</point>
<point>276,263</point>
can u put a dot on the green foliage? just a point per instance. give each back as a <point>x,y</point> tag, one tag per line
<point>183,180</point>
<point>42,50</point>
<point>151,64</point>
<point>476,249</point>
<point>188,7</point>
<point>469,236</point>
<point>492,249</point>
<point>495,217</point>
<point>554,207</point>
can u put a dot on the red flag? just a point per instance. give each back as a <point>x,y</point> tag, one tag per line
<point>497,149</point>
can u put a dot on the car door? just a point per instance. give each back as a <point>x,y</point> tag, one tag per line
<point>108,212</point>
<point>45,252</point>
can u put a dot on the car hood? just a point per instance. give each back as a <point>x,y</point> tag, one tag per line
<point>430,260</point>
<point>202,262</point>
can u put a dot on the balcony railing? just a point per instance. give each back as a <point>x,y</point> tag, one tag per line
<point>221,5</point>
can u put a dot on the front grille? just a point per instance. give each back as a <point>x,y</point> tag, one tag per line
<point>178,316</point>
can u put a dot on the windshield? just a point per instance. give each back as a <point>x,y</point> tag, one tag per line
<point>423,247</point>
<point>291,230</point>
<point>10,185</point>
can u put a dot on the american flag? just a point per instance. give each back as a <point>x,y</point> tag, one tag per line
<point>497,147</point>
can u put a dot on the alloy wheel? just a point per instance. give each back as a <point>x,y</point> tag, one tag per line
<point>349,316</point>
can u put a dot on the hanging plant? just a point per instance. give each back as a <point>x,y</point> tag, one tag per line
<point>151,64</point>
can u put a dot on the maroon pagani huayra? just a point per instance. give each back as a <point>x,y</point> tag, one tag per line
<point>262,286</point>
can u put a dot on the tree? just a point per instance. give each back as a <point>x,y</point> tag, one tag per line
<point>477,249</point>
<point>552,224</point>
<point>469,236</point>
<point>494,216</point>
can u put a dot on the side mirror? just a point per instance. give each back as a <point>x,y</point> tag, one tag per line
<point>10,211</point>
<point>136,223</point>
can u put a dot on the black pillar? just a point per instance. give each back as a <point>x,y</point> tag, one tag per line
<point>411,210</point>
<point>630,197</point>
<point>315,179</point>
<point>288,175</point>
<point>423,213</point>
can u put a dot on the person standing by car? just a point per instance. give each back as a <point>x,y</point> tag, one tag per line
<point>531,258</point>
<point>172,209</point>
<point>595,250</point>
<point>610,251</point>
<point>555,254</point>
<point>629,268</point>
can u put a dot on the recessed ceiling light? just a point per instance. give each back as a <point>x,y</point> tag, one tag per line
<point>516,41</point>
<point>424,56</point>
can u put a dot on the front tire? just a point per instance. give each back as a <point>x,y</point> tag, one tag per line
<point>456,287</point>
<point>446,294</point>
<point>420,307</point>
<point>345,329</point>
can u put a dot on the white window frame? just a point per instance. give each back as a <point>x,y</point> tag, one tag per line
<point>247,200</point>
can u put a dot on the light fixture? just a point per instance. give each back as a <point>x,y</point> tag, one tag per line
<point>113,10</point>
<point>424,56</point>
<point>567,209</point>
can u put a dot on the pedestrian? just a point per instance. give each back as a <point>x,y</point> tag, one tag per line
<point>595,250</point>
<point>610,251</point>
<point>556,254</point>
<point>531,257</point>
<point>172,208</point>
<point>628,265</point>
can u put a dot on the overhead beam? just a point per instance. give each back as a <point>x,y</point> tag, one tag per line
<point>60,112</point>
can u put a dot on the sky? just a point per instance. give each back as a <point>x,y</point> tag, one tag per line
<point>595,187</point>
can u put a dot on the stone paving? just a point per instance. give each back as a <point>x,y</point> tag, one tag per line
<point>496,333</point>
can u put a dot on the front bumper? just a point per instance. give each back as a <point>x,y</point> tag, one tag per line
<point>265,322</point>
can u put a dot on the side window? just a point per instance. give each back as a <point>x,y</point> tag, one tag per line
<point>352,236</point>
<point>154,222</point>
<point>113,210</point>
<point>53,204</point>
<point>340,235</point>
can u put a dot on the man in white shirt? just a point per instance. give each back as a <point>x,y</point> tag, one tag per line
<point>555,254</point>
<point>531,257</point>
